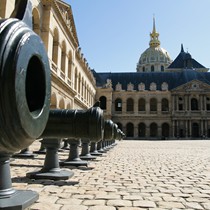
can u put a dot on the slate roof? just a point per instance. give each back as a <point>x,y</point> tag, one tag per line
<point>173,79</point>
<point>183,60</point>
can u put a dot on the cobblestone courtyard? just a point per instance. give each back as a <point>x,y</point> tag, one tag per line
<point>133,175</point>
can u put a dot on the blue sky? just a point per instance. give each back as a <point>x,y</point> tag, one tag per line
<point>114,33</point>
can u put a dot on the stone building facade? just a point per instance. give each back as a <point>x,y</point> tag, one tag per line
<point>164,99</point>
<point>73,85</point>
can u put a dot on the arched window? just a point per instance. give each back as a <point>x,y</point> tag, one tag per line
<point>195,130</point>
<point>153,130</point>
<point>55,46</point>
<point>70,66</point>
<point>118,105</point>
<point>36,21</point>
<point>141,104</point>
<point>75,80</point>
<point>194,104</point>
<point>63,58</point>
<point>165,130</point>
<point>164,105</point>
<point>162,68</point>
<point>181,103</point>
<point>102,100</point>
<point>130,105</point>
<point>129,130</point>
<point>208,103</point>
<point>152,68</point>
<point>143,69</point>
<point>153,104</point>
<point>142,130</point>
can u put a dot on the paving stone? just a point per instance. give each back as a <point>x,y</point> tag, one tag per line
<point>132,197</point>
<point>130,208</point>
<point>108,197</point>
<point>193,205</point>
<point>145,204</point>
<point>163,204</point>
<point>119,203</point>
<point>45,206</point>
<point>94,202</point>
<point>74,207</point>
<point>71,201</point>
<point>102,208</point>
<point>206,205</point>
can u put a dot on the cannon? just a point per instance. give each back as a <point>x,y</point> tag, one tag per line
<point>25,91</point>
<point>71,124</point>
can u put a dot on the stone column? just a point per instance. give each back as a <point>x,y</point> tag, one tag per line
<point>186,128</point>
<point>190,128</point>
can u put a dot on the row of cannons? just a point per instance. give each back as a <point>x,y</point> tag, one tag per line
<point>25,115</point>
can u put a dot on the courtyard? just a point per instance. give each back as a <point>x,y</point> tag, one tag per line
<point>133,175</point>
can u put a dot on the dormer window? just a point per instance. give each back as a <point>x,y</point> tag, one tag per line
<point>153,86</point>
<point>130,87</point>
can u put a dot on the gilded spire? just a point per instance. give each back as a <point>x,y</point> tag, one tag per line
<point>154,42</point>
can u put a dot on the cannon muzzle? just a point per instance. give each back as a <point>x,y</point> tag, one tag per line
<point>24,81</point>
<point>64,123</point>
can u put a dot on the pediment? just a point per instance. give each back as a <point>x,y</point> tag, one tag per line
<point>66,12</point>
<point>194,85</point>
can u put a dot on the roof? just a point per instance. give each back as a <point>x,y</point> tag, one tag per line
<point>184,60</point>
<point>173,79</point>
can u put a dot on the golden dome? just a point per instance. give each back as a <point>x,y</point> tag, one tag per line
<point>154,58</point>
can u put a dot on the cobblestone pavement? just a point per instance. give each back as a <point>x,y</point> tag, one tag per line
<point>133,175</point>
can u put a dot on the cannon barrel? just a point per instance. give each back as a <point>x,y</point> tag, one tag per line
<point>64,123</point>
<point>24,81</point>
<point>108,130</point>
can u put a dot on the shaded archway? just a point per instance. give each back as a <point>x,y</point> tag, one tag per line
<point>195,130</point>
<point>55,46</point>
<point>165,130</point>
<point>53,101</point>
<point>102,100</point>
<point>129,130</point>
<point>36,21</point>
<point>141,130</point>
<point>153,130</point>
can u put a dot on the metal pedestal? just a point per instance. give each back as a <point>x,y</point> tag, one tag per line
<point>51,169</point>
<point>11,199</point>
<point>74,159</point>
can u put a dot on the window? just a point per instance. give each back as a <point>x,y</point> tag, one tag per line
<point>118,104</point>
<point>142,130</point>
<point>130,130</point>
<point>164,104</point>
<point>153,130</point>
<point>141,104</point>
<point>162,68</point>
<point>153,104</point>
<point>152,68</point>
<point>194,104</point>
<point>129,105</point>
